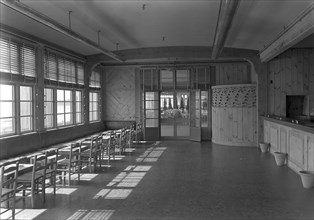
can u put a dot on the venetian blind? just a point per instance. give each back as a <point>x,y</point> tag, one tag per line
<point>17,58</point>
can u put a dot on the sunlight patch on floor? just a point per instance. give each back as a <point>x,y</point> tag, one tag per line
<point>83,214</point>
<point>61,191</point>
<point>152,154</point>
<point>23,214</point>
<point>85,177</point>
<point>113,194</point>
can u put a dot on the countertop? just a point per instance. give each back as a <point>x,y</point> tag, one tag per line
<point>294,123</point>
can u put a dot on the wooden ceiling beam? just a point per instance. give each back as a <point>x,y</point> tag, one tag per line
<point>45,20</point>
<point>301,27</point>
<point>226,14</point>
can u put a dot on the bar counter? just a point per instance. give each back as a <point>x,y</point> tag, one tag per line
<point>291,136</point>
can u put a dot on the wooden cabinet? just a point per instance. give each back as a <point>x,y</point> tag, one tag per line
<point>291,139</point>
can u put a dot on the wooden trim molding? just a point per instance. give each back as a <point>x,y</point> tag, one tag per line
<point>301,27</point>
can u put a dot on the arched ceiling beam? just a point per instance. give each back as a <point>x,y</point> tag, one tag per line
<point>226,14</point>
<point>300,28</point>
<point>45,20</point>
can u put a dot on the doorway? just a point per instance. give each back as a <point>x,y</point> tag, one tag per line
<point>174,114</point>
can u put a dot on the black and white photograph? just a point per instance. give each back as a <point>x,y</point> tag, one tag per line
<point>157,109</point>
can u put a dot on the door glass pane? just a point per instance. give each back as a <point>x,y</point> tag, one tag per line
<point>166,114</point>
<point>152,123</point>
<point>204,108</point>
<point>181,114</point>
<point>194,109</point>
<point>151,114</point>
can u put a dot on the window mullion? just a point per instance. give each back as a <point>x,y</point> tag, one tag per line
<point>17,109</point>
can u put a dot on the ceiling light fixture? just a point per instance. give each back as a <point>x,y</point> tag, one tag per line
<point>70,25</point>
<point>98,32</point>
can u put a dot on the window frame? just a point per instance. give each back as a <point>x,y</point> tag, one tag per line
<point>97,102</point>
<point>13,115</point>
<point>65,102</point>
<point>32,111</point>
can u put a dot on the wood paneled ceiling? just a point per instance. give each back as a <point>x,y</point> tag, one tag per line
<point>155,23</point>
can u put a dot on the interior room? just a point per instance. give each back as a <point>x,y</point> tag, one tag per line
<point>155,109</point>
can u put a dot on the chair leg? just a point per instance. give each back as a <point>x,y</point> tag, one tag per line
<point>54,182</point>
<point>43,189</point>
<point>23,194</point>
<point>32,196</point>
<point>69,176</point>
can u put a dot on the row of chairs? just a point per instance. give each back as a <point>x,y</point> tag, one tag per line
<point>60,163</point>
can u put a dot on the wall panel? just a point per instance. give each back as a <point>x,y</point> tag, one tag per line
<point>291,73</point>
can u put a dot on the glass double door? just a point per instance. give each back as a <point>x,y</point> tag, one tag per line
<point>174,114</point>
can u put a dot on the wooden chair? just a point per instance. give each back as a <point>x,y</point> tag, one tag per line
<point>8,178</point>
<point>131,134</point>
<point>92,154</point>
<point>108,147</point>
<point>68,162</point>
<point>31,183</point>
<point>138,133</point>
<point>121,141</point>
<point>51,164</point>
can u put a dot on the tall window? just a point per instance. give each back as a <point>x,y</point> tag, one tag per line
<point>17,58</point>
<point>64,107</point>
<point>93,106</point>
<point>48,108</point>
<point>78,107</point>
<point>26,108</point>
<point>7,115</point>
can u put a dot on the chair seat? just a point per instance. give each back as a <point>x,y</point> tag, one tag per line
<point>27,177</point>
<point>63,162</point>
<point>6,191</point>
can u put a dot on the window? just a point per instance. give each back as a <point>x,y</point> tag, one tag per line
<point>48,108</point>
<point>7,116</point>
<point>93,106</point>
<point>64,107</point>
<point>9,56</point>
<point>66,70</point>
<point>26,109</point>
<point>51,66</point>
<point>166,79</point>
<point>80,73</point>
<point>17,58</point>
<point>63,69</point>
<point>78,107</point>
<point>95,78</point>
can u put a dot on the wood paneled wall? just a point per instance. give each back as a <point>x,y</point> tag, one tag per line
<point>119,102</point>
<point>234,118</point>
<point>291,73</point>
<point>232,73</point>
